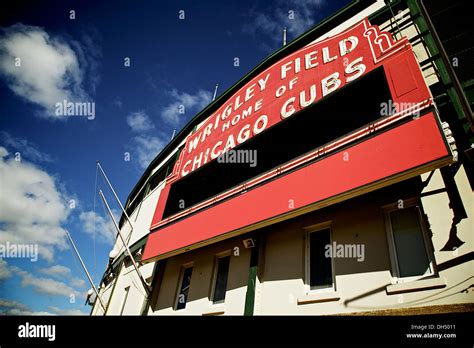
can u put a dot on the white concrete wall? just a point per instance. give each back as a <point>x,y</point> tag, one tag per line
<point>135,299</point>
<point>143,215</point>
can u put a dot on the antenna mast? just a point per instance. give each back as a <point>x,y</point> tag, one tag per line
<point>215,92</point>
<point>85,270</point>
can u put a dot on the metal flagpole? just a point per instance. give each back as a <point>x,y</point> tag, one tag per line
<point>85,269</point>
<point>115,194</point>
<point>145,285</point>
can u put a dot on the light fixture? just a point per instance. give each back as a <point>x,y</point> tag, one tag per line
<point>248,243</point>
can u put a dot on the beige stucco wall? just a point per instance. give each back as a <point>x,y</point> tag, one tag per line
<point>135,299</point>
<point>201,281</point>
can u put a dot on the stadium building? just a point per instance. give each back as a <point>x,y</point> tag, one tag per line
<point>336,177</point>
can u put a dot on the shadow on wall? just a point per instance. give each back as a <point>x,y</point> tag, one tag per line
<point>458,288</point>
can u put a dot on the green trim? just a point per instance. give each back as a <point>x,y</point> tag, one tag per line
<point>133,248</point>
<point>137,245</point>
<point>468,83</point>
<point>441,67</point>
<point>469,90</point>
<point>252,278</point>
<point>250,295</point>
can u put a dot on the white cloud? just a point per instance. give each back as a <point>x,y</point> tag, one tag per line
<point>4,270</point>
<point>50,69</point>
<point>61,311</point>
<point>139,121</point>
<point>57,271</point>
<point>95,224</point>
<point>3,152</point>
<point>89,55</point>
<point>63,273</point>
<point>147,148</point>
<point>9,307</point>
<point>303,16</point>
<point>26,149</point>
<point>12,304</point>
<point>19,312</point>
<point>184,104</point>
<point>32,208</point>
<point>77,282</point>
<point>117,102</point>
<point>42,285</point>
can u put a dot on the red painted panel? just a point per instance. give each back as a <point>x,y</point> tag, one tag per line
<point>160,207</point>
<point>413,144</point>
<point>404,77</point>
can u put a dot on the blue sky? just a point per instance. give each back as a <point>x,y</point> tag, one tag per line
<point>47,160</point>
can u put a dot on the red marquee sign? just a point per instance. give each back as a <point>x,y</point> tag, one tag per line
<point>295,82</point>
<point>279,92</point>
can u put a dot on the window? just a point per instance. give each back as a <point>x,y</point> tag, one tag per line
<point>220,279</point>
<point>185,282</point>
<point>408,247</point>
<point>127,290</point>
<point>319,267</point>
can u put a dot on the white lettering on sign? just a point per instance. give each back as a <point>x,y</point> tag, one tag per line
<point>285,88</point>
